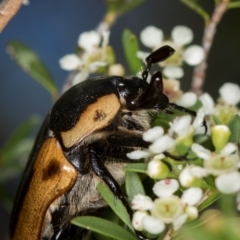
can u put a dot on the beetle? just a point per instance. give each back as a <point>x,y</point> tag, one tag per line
<point>83,140</point>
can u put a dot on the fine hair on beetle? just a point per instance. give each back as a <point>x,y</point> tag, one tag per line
<point>84,140</point>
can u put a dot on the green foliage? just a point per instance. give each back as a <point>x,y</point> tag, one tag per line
<point>133,185</point>
<point>234,126</point>
<point>30,62</point>
<point>130,47</point>
<point>104,227</point>
<point>122,6</point>
<point>115,204</point>
<point>17,148</point>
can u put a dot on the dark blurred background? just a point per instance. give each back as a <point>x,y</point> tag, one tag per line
<point>52,28</point>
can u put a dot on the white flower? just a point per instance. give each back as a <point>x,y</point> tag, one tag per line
<point>187,100</point>
<point>173,72</point>
<point>182,35</point>
<point>89,40</point>
<point>193,55</point>
<point>166,187</point>
<point>191,175</point>
<point>200,151</point>
<point>137,219</point>
<point>230,93</point>
<point>178,222</point>
<point>138,154</point>
<point>151,37</point>
<point>141,202</point>
<point>192,196</point>
<point>198,121</point>
<point>162,144</point>
<point>70,62</point>
<point>207,102</point>
<point>228,183</point>
<point>153,225</point>
<point>167,208</point>
<point>181,125</point>
<point>152,134</point>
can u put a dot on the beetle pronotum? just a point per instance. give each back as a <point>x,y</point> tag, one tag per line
<point>83,140</point>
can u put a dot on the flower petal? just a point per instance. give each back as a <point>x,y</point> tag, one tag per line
<point>151,37</point>
<point>230,93</point>
<point>141,202</point>
<point>208,103</point>
<point>152,134</point>
<point>153,225</point>
<point>187,100</point>
<point>200,151</point>
<point>181,125</point>
<point>173,72</point>
<point>89,40</point>
<point>137,219</point>
<point>162,144</point>
<point>182,35</point>
<point>70,62</point>
<point>178,222</point>
<point>192,196</point>
<point>166,187</point>
<point>229,149</point>
<point>138,154</point>
<point>228,183</point>
<point>193,55</point>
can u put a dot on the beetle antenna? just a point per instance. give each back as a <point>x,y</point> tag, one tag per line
<point>191,112</point>
<point>161,54</point>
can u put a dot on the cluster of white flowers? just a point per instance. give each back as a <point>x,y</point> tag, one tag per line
<point>167,208</point>
<point>96,54</point>
<point>181,36</point>
<point>222,164</point>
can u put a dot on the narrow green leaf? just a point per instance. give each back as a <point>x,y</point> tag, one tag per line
<point>122,6</point>
<point>133,185</point>
<point>104,227</point>
<point>214,196</point>
<point>137,167</point>
<point>115,204</point>
<point>234,126</point>
<point>216,120</point>
<point>30,62</point>
<point>23,131</point>
<point>130,46</point>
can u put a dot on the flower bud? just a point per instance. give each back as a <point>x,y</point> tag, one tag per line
<point>157,169</point>
<point>220,136</point>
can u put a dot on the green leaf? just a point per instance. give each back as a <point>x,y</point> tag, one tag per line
<point>216,120</point>
<point>137,167</point>
<point>16,149</point>
<point>115,204</point>
<point>30,62</point>
<point>130,46</point>
<point>213,197</point>
<point>234,126</point>
<point>133,185</point>
<point>122,6</point>
<point>104,227</point>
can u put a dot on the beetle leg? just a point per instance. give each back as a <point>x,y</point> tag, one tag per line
<point>101,171</point>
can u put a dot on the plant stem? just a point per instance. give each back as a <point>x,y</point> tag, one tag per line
<point>8,8</point>
<point>107,22</point>
<point>168,235</point>
<point>208,37</point>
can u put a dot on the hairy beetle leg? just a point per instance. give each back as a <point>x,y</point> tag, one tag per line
<point>101,171</point>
